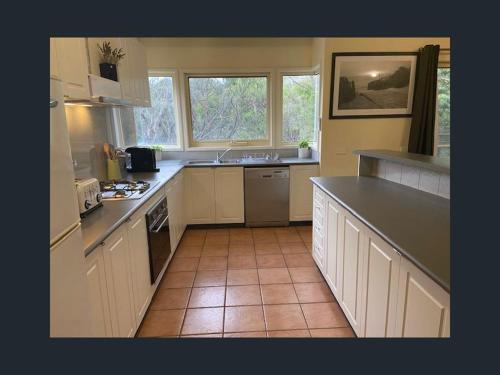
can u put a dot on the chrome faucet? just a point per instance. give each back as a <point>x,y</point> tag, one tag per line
<point>219,157</point>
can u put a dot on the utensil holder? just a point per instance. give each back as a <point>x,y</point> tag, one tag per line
<point>114,172</point>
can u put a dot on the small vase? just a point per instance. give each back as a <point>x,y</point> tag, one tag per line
<point>157,155</point>
<point>108,71</point>
<point>304,153</point>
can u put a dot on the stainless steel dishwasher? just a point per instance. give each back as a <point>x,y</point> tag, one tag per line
<point>267,196</point>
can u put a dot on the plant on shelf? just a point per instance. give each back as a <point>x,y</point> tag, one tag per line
<point>304,149</point>
<point>158,149</point>
<point>109,59</point>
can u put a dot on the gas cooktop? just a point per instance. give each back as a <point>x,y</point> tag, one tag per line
<point>124,189</point>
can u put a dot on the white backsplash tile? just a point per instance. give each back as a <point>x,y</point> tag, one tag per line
<point>393,171</point>
<point>429,181</point>
<point>410,176</point>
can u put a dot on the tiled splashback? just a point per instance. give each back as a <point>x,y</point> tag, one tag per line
<point>88,130</point>
<point>415,177</point>
<point>233,154</point>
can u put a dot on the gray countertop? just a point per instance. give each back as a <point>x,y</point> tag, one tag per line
<point>415,223</point>
<point>103,221</point>
<point>440,165</point>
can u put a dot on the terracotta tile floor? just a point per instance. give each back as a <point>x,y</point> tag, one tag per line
<point>242,282</point>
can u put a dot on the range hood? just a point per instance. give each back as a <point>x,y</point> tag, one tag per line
<point>103,92</point>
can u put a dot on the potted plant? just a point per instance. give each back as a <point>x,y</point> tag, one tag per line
<point>158,149</point>
<point>304,149</point>
<point>109,59</point>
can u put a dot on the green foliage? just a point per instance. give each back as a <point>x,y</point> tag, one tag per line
<point>443,109</point>
<point>156,147</point>
<point>304,144</point>
<point>109,55</point>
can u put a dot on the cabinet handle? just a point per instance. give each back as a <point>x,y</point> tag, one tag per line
<point>102,243</point>
<point>53,103</point>
<point>128,220</point>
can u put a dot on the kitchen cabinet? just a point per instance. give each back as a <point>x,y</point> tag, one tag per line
<point>118,280</point>
<point>71,66</point>
<point>301,205</point>
<point>215,195</point>
<point>175,200</point>
<point>139,261</point>
<point>132,69</point>
<point>380,287</point>
<point>229,195</point>
<point>332,274</point>
<point>319,231</point>
<point>423,307</point>
<point>98,295</point>
<point>351,257</point>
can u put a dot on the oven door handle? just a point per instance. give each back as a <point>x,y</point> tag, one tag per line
<point>160,226</point>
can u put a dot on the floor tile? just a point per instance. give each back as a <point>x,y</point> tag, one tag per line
<point>244,319</point>
<point>279,231</point>
<point>299,260</point>
<point>202,321</point>
<point>304,228</point>
<point>188,251</point>
<point>293,248</point>
<point>217,240</point>
<point>264,235</point>
<point>324,315</point>
<point>212,263</point>
<point>183,264</point>
<point>178,279</point>
<point>241,249</point>
<point>195,233</point>
<point>278,294</point>
<point>332,332</point>
<point>245,334</point>
<point>270,261</point>
<point>313,292</point>
<point>291,333</point>
<point>306,237</point>
<point>309,247</point>
<point>208,335</point>
<point>212,296</point>
<point>167,299</point>
<point>241,238</point>
<point>162,323</point>
<point>240,231</point>
<point>214,250</point>
<point>267,248</point>
<point>242,277</point>
<point>274,276</point>
<point>217,232</point>
<point>241,262</point>
<point>210,278</point>
<point>284,317</point>
<point>192,241</point>
<point>243,295</point>
<point>305,275</point>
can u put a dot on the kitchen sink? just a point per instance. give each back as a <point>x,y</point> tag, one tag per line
<point>230,161</point>
<point>201,162</point>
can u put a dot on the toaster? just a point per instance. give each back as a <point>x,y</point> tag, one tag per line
<point>88,192</point>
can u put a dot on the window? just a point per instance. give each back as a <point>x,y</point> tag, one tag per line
<point>443,113</point>
<point>156,125</point>
<point>300,108</point>
<point>228,109</point>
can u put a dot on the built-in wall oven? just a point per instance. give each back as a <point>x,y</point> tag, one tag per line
<point>158,237</point>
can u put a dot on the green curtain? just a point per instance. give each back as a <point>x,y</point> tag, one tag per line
<point>424,102</point>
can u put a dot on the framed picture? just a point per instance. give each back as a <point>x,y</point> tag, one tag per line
<point>372,84</point>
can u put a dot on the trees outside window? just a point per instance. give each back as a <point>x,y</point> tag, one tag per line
<point>443,113</point>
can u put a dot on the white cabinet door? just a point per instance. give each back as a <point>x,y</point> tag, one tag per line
<point>200,195</point>
<point>116,260</point>
<point>319,229</point>
<point>380,287</point>
<point>98,294</point>
<point>54,63</point>
<point>423,308</point>
<point>301,191</point>
<point>351,267</point>
<point>229,195</point>
<point>72,62</point>
<point>139,257</point>
<point>332,274</point>
<point>171,192</point>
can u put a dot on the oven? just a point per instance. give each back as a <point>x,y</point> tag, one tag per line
<point>158,237</point>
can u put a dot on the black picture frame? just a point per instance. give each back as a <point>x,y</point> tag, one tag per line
<point>411,89</point>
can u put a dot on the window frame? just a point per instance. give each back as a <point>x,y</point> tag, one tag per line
<point>190,144</point>
<point>443,63</point>
<point>159,72</point>
<point>279,110</point>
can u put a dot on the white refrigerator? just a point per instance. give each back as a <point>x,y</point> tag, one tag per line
<point>69,301</point>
